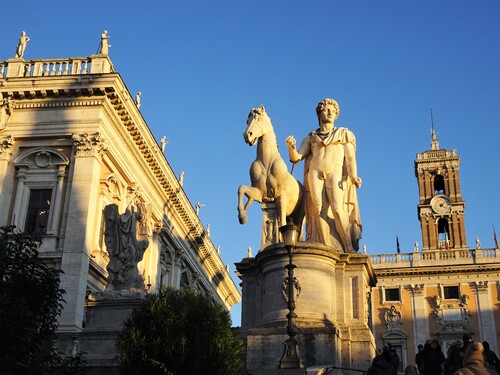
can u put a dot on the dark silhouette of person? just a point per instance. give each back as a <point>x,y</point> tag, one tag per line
<point>433,358</point>
<point>490,357</point>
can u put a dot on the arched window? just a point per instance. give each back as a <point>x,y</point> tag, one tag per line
<point>439,185</point>
<point>444,233</point>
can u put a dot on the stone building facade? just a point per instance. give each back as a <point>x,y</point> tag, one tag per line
<point>72,141</point>
<point>446,289</point>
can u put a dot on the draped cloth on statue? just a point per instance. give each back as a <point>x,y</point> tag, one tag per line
<point>124,249</point>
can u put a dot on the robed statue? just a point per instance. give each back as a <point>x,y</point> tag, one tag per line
<point>124,248</point>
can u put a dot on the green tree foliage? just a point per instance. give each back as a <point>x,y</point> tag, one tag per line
<point>179,332</point>
<point>30,302</point>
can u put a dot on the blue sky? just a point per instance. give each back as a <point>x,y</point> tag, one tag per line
<point>202,65</point>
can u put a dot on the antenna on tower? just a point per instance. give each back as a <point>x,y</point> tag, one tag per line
<point>432,120</point>
<point>434,142</point>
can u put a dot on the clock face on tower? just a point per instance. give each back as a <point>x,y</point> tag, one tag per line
<point>441,204</point>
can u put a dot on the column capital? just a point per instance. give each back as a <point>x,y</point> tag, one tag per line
<point>417,289</point>
<point>89,144</point>
<point>481,287</point>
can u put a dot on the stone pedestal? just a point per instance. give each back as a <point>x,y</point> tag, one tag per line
<point>103,323</point>
<point>332,307</point>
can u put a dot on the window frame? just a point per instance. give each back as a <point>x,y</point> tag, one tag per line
<point>384,296</point>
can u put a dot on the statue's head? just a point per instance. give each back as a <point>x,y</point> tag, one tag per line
<point>325,102</point>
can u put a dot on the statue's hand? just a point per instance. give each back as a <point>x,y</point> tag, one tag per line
<point>291,142</point>
<point>356,181</point>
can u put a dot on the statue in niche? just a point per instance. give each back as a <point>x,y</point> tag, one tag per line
<point>330,181</point>
<point>125,250</point>
<point>21,46</point>
<point>392,318</point>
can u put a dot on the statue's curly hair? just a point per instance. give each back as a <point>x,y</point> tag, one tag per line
<point>326,102</point>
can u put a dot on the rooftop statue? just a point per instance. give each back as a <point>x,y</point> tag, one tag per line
<point>269,176</point>
<point>21,46</point>
<point>125,250</point>
<point>104,46</point>
<point>330,181</point>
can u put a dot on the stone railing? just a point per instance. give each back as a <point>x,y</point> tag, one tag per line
<point>432,154</point>
<point>436,257</point>
<point>55,67</point>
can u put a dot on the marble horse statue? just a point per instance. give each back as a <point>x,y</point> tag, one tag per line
<point>271,181</point>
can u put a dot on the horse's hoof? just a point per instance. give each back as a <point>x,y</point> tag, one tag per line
<point>243,219</point>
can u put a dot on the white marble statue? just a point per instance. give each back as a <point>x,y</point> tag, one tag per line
<point>163,142</point>
<point>138,100</point>
<point>181,178</point>
<point>269,176</point>
<point>104,47</point>
<point>415,247</point>
<point>330,181</point>
<point>21,46</point>
<point>478,243</point>
<point>198,206</point>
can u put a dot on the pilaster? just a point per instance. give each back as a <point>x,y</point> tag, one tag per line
<point>6,185</point>
<point>420,318</point>
<point>83,197</point>
<point>487,326</point>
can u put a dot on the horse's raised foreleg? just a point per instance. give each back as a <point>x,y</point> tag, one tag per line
<point>253,194</point>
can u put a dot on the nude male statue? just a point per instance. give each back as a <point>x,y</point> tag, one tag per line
<point>330,180</point>
<point>21,46</point>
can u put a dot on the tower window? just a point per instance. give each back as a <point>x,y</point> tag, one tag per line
<point>444,233</point>
<point>439,184</point>
<point>38,211</point>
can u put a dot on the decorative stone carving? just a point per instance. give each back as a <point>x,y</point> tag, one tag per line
<point>6,145</point>
<point>330,181</point>
<point>89,144</point>
<point>5,112</point>
<point>417,289</point>
<point>452,315</point>
<point>482,286</point>
<point>125,250</point>
<point>269,176</point>
<point>392,318</point>
<point>42,159</point>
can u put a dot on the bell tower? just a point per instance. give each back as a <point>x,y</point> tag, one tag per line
<point>440,208</point>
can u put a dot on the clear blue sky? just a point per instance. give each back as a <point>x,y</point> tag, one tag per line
<point>202,65</point>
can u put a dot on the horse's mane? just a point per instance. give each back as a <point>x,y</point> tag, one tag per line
<point>257,111</point>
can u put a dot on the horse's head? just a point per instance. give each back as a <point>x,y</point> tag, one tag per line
<point>258,124</point>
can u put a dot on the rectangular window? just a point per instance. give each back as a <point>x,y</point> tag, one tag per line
<point>392,294</point>
<point>38,211</point>
<point>451,292</point>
